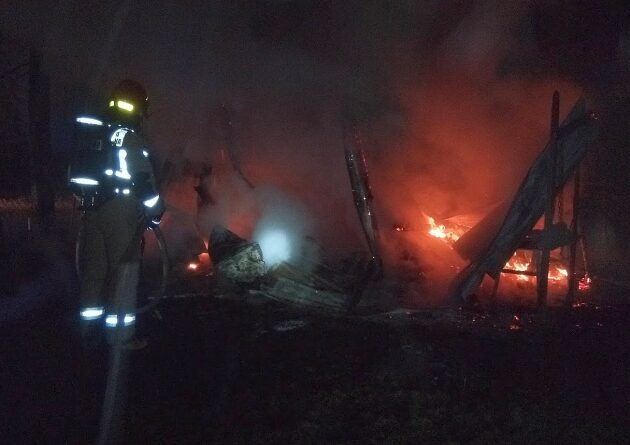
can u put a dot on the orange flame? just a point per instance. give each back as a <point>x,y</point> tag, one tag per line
<point>520,261</point>
<point>440,231</point>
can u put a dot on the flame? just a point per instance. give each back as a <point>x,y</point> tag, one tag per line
<point>557,273</point>
<point>449,235</point>
<point>199,263</point>
<point>520,261</point>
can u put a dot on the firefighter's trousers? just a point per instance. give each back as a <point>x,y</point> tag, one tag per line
<point>109,265</point>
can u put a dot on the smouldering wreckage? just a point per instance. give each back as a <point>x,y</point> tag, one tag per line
<point>504,243</point>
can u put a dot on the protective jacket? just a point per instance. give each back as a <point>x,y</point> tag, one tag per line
<point>110,160</point>
<point>112,174</point>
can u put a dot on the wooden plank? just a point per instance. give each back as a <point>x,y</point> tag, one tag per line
<point>543,266</point>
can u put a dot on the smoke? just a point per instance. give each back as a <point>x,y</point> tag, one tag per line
<point>452,99</point>
<point>284,230</point>
<point>466,130</point>
<point>450,130</point>
<point>280,223</point>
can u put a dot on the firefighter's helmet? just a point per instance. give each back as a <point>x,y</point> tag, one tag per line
<point>129,101</point>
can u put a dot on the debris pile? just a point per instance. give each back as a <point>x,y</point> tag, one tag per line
<point>289,285</point>
<point>235,259</point>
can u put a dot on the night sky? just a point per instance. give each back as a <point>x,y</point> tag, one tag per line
<point>453,97</point>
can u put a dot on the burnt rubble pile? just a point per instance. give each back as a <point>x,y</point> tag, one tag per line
<point>236,261</point>
<point>506,241</point>
<point>239,266</point>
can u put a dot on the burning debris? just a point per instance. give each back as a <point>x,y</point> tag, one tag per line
<point>198,264</point>
<point>235,259</point>
<point>239,263</point>
<point>504,244</point>
<point>520,267</point>
<point>568,145</point>
<point>447,232</point>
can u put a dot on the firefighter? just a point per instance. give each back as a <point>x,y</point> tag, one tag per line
<point>115,181</point>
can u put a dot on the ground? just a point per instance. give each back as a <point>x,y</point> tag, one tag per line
<point>243,371</point>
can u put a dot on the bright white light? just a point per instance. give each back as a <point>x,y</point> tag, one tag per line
<point>109,172</point>
<point>84,181</point>
<point>88,120</point>
<point>275,247</point>
<point>91,313</point>
<point>126,191</point>
<point>112,320</point>
<point>151,202</point>
<point>145,153</point>
<point>122,171</point>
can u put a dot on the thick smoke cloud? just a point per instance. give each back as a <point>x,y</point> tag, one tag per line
<point>452,98</point>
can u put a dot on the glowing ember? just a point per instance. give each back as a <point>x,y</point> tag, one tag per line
<point>516,324</point>
<point>199,264</point>
<point>400,228</point>
<point>585,283</point>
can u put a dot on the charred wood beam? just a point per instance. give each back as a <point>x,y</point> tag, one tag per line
<point>543,266</point>
<point>362,193</point>
<point>572,285</point>
<point>362,196</point>
<point>520,272</point>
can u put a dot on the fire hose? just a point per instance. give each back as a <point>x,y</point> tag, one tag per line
<point>114,400</point>
<point>154,300</point>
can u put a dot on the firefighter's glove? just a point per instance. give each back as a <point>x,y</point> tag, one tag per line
<point>154,209</point>
<point>155,220</point>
